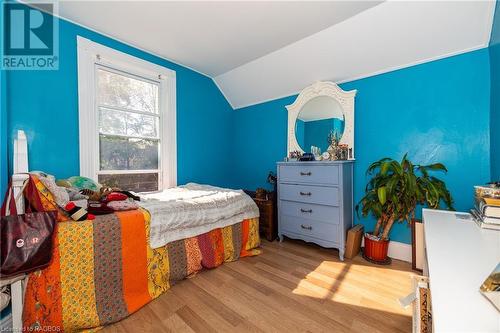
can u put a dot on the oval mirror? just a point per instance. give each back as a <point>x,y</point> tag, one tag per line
<point>316,120</point>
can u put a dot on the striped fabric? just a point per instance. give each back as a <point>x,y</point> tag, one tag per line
<point>108,273</point>
<point>77,275</point>
<point>103,270</point>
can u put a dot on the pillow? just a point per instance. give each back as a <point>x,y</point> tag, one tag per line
<point>83,182</point>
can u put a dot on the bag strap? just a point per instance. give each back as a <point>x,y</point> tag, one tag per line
<point>33,196</point>
<point>21,193</point>
<point>9,202</point>
<point>9,205</point>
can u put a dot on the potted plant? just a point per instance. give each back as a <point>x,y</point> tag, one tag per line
<point>392,195</point>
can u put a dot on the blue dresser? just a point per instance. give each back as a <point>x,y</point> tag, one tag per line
<point>315,202</point>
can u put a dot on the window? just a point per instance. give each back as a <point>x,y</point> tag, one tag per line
<point>127,120</point>
<point>129,133</point>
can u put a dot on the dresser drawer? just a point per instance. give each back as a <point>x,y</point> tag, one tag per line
<point>326,214</point>
<point>310,228</point>
<point>314,174</point>
<point>309,194</point>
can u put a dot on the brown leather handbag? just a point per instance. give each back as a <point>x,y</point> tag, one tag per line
<point>26,239</point>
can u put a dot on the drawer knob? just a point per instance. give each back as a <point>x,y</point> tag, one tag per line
<point>306,210</point>
<point>305,193</point>
<point>305,173</point>
<point>307,227</point>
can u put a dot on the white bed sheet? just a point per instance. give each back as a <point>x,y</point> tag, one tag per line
<point>193,209</point>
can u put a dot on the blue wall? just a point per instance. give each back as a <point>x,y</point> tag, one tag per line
<point>3,133</point>
<point>45,105</point>
<point>438,111</point>
<point>495,95</point>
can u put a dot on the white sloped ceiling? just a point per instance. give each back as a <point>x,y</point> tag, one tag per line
<point>211,37</point>
<point>389,36</point>
<point>261,50</point>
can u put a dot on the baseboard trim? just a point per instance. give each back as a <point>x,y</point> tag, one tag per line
<point>397,250</point>
<point>400,251</point>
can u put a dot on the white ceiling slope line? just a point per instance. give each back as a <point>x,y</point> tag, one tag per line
<point>389,36</point>
<point>223,94</point>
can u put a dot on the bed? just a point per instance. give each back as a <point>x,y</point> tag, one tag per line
<point>104,270</point>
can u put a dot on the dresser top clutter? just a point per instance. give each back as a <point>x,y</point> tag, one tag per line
<point>460,256</point>
<point>305,164</point>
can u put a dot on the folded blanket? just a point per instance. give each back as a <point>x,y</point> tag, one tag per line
<point>194,209</point>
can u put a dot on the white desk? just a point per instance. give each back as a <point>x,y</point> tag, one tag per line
<point>460,256</point>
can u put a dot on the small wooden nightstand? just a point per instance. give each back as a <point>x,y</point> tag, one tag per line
<point>268,223</point>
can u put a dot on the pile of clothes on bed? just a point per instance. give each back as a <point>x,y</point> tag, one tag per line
<point>82,198</point>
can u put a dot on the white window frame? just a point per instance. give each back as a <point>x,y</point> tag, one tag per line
<point>90,56</point>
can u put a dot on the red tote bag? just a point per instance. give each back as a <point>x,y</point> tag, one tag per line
<point>26,239</point>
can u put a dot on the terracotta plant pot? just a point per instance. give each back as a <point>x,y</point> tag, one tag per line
<point>376,250</point>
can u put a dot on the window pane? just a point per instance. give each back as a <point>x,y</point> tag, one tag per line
<point>138,182</point>
<point>142,125</point>
<point>112,122</point>
<point>126,92</point>
<point>143,154</point>
<point>127,154</point>
<point>127,123</point>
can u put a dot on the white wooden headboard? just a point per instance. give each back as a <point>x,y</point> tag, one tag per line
<point>18,179</point>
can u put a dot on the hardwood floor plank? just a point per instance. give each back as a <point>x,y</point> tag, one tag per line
<point>259,287</point>
<point>296,309</point>
<point>143,320</point>
<point>175,324</point>
<point>257,314</point>
<point>216,313</point>
<point>166,305</point>
<point>193,320</point>
<point>247,326</point>
<point>224,311</point>
<point>291,287</point>
<point>288,308</point>
<point>334,268</point>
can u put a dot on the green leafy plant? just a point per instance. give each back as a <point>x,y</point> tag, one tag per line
<point>396,188</point>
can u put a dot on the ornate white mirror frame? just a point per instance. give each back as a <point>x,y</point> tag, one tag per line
<point>330,89</point>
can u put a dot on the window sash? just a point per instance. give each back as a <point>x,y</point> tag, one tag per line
<point>122,136</point>
<point>138,77</point>
<point>122,109</point>
<point>157,116</point>
<point>124,172</point>
<point>129,74</point>
<point>159,149</point>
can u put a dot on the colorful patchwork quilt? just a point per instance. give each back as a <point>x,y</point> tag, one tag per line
<point>104,270</point>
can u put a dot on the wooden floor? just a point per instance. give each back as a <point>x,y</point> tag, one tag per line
<point>291,287</point>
